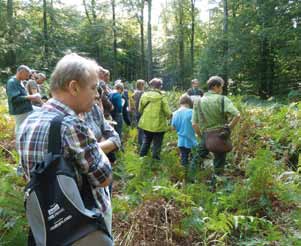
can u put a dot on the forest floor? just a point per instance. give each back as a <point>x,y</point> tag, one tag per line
<point>256,202</point>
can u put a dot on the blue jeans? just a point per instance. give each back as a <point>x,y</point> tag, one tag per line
<point>152,137</point>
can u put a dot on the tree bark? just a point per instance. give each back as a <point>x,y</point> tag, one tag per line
<point>225,48</point>
<point>45,32</point>
<point>141,23</point>
<point>114,40</point>
<point>149,42</point>
<point>181,43</point>
<point>192,36</point>
<point>11,53</point>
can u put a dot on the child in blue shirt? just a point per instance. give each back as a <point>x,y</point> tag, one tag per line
<point>181,121</point>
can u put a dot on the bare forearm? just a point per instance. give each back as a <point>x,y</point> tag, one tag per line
<point>107,146</point>
<point>196,129</point>
<point>234,121</point>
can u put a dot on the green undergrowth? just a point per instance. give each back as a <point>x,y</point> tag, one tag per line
<point>256,202</point>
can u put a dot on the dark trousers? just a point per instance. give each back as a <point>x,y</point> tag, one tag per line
<point>119,120</point>
<point>201,152</point>
<point>140,136</point>
<point>185,155</point>
<point>152,137</point>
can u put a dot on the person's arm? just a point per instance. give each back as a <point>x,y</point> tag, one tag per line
<point>166,108</point>
<point>107,146</point>
<point>112,139</point>
<point>232,110</point>
<point>14,94</point>
<point>88,157</point>
<point>234,121</point>
<point>197,129</point>
<point>195,120</point>
<point>141,104</point>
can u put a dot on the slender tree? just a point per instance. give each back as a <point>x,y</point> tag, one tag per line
<point>11,53</point>
<point>45,33</point>
<point>114,39</point>
<point>149,42</point>
<point>181,41</point>
<point>225,47</point>
<point>192,36</point>
<point>141,24</point>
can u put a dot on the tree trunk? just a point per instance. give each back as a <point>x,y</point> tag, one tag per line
<point>141,23</point>
<point>192,36</point>
<point>45,32</point>
<point>11,53</point>
<point>149,42</point>
<point>181,44</point>
<point>115,73</point>
<point>94,16</point>
<point>87,12</point>
<point>225,48</point>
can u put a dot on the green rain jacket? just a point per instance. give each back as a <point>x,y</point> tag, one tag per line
<point>154,111</point>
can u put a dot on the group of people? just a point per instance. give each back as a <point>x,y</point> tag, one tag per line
<point>93,114</point>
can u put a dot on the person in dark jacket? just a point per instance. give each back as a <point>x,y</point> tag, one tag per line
<point>195,92</point>
<point>19,102</point>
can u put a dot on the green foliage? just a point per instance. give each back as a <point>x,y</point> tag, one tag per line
<point>258,196</point>
<point>13,229</point>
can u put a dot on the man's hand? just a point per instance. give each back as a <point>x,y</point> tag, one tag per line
<point>34,98</point>
<point>197,129</point>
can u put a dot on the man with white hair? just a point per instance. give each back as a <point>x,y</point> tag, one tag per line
<point>19,102</point>
<point>74,90</point>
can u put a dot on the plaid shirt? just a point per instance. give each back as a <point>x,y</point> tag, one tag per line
<point>78,144</point>
<point>100,127</point>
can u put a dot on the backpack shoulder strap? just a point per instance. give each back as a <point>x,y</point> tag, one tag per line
<point>54,137</point>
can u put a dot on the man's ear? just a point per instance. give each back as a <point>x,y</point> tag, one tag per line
<point>73,87</point>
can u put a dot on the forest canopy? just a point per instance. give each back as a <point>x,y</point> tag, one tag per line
<point>254,45</point>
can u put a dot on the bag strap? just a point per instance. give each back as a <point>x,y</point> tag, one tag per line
<point>223,110</point>
<point>54,137</point>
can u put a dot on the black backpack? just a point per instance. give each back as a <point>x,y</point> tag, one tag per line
<point>58,212</point>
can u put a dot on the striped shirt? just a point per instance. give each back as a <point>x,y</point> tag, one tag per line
<point>78,144</point>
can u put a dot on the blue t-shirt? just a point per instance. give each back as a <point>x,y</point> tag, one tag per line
<point>181,121</point>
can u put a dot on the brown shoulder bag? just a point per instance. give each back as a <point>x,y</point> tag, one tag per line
<point>218,140</point>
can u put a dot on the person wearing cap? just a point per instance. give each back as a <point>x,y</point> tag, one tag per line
<point>195,92</point>
<point>19,102</point>
<point>208,115</point>
<point>155,112</point>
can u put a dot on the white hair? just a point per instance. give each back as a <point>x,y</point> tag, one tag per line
<point>73,67</point>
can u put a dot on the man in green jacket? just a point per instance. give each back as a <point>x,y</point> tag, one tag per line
<point>208,115</point>
<point>155,112</point>
<point>19,102</point>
